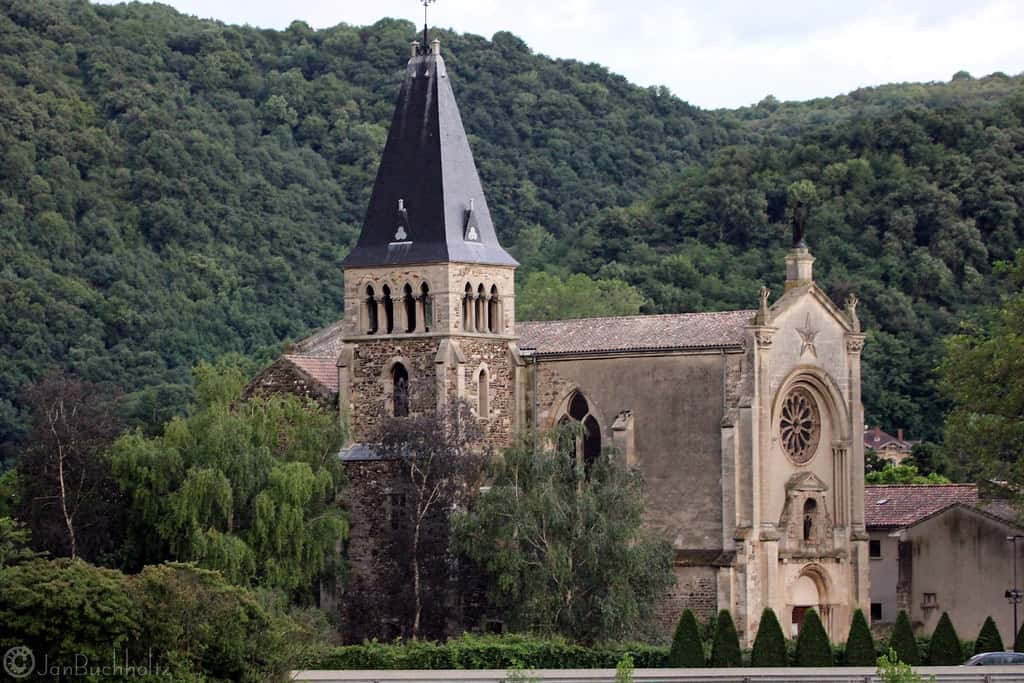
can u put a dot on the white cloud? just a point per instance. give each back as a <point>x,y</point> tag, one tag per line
<point>714,54</point>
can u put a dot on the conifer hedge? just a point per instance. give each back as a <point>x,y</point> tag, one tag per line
<point>1018,641</point>
<point>812,645</point>
<point>902,641</point>
<point>944,648</point>
<point>725,648</point>
<point>860,646</point>
<point>687,647</point>
<point>989,639</point>
<point>770,644</point>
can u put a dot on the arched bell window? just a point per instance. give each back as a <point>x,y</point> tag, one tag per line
<point>493,314</point>
<point>399,390</point>
<point>389,310</point>
<point>428,307</point>
<point>481,309</point>
<point>468,309</point>
<point>409,302</point>
<point>371,310</point>
<point>588,447</point>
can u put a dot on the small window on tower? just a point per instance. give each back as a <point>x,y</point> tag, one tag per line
<point>876,611</point>
<point>875,549</point>
<point>400,390</point>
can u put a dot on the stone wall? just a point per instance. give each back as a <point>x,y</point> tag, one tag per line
<point>282,377</point>
<point>696,588</point>
<point>494,355</point>
<point>370,381</point>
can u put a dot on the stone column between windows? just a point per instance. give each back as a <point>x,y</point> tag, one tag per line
<point>421,314</point>
<point>382,316</point>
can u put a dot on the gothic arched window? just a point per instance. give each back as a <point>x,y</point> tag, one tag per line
<point>389,310</point>
<point>410,309</point>
<point>483,388</point>
<point>371,310</point>
<point>588,448</point>
<point>399,390</point>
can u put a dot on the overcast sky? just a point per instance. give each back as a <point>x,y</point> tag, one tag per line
<point>713,53</point>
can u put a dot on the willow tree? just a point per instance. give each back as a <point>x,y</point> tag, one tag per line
<point>246,487</point>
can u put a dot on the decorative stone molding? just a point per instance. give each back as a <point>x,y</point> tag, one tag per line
<point>764,337</point>
<point>854,343</point>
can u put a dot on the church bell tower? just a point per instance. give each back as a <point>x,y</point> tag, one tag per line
<point>429,291</point>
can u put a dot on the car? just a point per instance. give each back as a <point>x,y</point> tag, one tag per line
<point>996,659</point>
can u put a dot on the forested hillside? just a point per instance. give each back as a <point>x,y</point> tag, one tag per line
<point>173,189</point>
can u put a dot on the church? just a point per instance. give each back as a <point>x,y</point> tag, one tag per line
<point>747,426</point>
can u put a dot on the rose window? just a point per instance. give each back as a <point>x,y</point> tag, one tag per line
<point>800,426</point>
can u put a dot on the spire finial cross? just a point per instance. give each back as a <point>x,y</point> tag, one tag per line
<point>426,3</point>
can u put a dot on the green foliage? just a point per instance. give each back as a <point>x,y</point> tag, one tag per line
<point>983,375</point>
<point>624,669</point>
<point>687,647</point>
<point>469,651</point>
<point>988,639</point>
<point>770,643</point>
<point>725,647</point>
<point>902,641</point>
<point>564,547</point>
<point>67,608</point>
<point>944,648</point>
<point>860,646</point>
<point>812,645</point>
<point>543,296</point>
<point>902,474</point>
<point>892,670</point>
<point>15,541</point>
<point>247,488</point>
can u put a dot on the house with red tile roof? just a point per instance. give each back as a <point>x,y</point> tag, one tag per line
<point>887,446</point>
<point>938,548</point>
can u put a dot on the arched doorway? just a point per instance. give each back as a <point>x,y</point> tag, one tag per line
<point>803,595</point>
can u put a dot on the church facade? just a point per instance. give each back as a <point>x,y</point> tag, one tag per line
<point>746,425</point>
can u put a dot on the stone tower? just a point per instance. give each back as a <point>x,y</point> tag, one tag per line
<point>429,291</point>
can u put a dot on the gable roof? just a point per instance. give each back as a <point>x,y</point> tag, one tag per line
<point>894,506</point>
<point>427,204</point>
<point>635,333</point>
<point>321,369</point>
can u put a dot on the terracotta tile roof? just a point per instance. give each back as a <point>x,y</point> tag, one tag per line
<point>323,369</point>
<point>324,342</point>
<point>893,506</point>
<point>635,332</point>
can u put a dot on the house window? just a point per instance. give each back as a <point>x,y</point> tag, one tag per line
<point>875,549</point>
<point>876,611</point>
<point>400,390</point>
<point>929,600</point>
<point>395,509</point>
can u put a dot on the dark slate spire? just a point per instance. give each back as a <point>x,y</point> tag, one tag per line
<point>427,203</point>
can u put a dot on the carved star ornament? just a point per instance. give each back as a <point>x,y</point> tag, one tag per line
<point>807,334</point>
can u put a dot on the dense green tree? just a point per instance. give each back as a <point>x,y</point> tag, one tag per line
<point>902,641</point>
<point>860,646</point>
<point>245,487</point>
<point>944,646</point>
<point>891,473</point>
<point>988,639</point>
<point>770,643</point>
<point>687,647</point>
<point>15,542</point>
<point>725,647</point>
<point>547,297</point>
<point>983,374</point>
<point>564,546</point>
<point>812,645</point>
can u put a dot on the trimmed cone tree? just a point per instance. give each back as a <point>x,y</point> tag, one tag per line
<point>725,648</point>
<point>1018,642</point>
<point>812,645</point>
<point>944,647</point>
<point>687,647</point>
<point>770,644</point>
<point>860,646</point>
<point>902,641</point>
<point>989,639</point>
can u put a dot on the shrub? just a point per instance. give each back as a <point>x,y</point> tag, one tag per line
<point>892,670</point>
<point>989,639</point>
<point>944,648</point>
<point>770,644</point>
<point>725,648</point>
<point>860,646</point>
<point>687,647</point>
<point>902,641</point>
<point>812,645</point>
